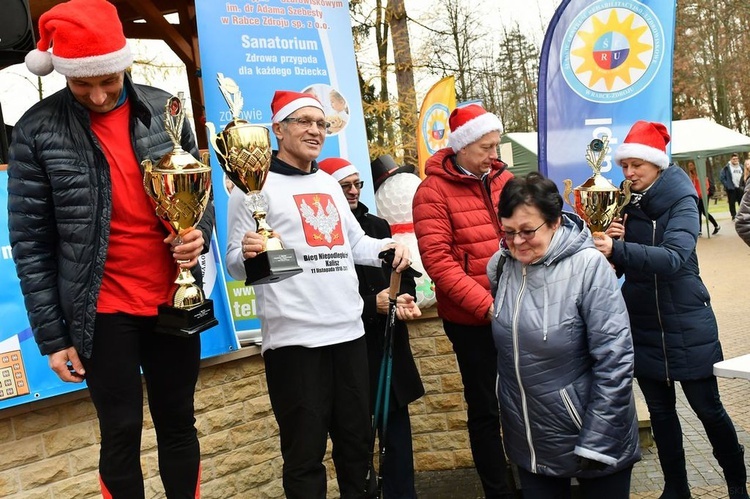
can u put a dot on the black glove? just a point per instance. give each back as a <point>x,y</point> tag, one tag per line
<point>590,465</point>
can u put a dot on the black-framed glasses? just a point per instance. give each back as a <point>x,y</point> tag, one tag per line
<point>306,123</point>
<point>525,234</point>
<point>347,186</point>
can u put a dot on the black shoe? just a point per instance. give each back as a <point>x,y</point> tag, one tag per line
<point>716,230</point>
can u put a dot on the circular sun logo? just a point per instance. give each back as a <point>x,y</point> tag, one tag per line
<point>611,54</point>
<point>435,128</point>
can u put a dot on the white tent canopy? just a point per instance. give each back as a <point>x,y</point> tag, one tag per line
<point>691,139</point>
<point>702,138</point>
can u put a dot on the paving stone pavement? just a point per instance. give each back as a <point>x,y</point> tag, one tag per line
<point>725,268</point>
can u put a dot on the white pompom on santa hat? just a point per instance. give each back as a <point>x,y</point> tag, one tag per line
<point>338,168</point>
<point>648,141</point>
<point>86,38</point>
<point>469,124</point>
<point>286,102</point>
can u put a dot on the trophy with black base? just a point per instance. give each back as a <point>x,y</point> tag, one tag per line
<point>180,187</point>
<point>244,153</point>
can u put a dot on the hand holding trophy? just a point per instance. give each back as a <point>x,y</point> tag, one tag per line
<point>597,201</point>
<point>180,187</point>
<point>244,153</point>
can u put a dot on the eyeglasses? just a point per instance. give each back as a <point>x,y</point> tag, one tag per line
<point>358,185</point>
<point>525,234</point>
<point>306,123</point>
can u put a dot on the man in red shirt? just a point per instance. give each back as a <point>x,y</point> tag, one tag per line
<point>93,259</point>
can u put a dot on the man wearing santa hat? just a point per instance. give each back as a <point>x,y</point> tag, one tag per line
<point>93,258</point>
<point>313,337</point>
<point>406,385</point>
<point>458,231</point>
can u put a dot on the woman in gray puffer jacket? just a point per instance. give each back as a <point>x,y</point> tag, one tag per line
<point>565,354</point>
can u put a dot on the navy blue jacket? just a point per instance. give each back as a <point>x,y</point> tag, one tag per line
<point>674,328</point>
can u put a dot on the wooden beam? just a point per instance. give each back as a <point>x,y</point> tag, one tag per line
<point>155,20</point>
<point>195,80</point>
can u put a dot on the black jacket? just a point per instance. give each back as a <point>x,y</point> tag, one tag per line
<point>406,385</point>
<point>59,209</point>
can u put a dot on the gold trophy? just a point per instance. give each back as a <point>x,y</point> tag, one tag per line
<point>244,153</point>
<point>597,201</point>
<point>180,187</point>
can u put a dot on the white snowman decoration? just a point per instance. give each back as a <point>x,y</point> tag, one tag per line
<point>395,187</point>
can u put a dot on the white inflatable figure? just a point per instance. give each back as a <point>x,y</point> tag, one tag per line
<point>393,198</point>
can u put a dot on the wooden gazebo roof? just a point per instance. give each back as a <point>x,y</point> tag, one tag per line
<point>182,38</point>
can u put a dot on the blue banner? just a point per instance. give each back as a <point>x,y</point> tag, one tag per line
<point>604,65</point>
<point>25,375</point>
<point>264,46</point>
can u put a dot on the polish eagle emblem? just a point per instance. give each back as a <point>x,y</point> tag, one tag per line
<point>319,213</point>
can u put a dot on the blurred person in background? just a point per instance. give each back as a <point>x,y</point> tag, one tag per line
<point>693,173</point>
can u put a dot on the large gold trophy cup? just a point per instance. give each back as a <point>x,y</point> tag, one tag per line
<point>597,201</point>
<point>180,186</point>
<point>244,153</point>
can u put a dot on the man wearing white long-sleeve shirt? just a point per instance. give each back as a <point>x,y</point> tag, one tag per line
<point>313,337</point>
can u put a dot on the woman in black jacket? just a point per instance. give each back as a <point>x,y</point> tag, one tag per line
<point>674,328</point>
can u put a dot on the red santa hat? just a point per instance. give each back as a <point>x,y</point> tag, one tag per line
<point>648,141</point>
<point>285,102</point>
<point>469,124</point>
<point>86,38</point>
<point>338,168</point>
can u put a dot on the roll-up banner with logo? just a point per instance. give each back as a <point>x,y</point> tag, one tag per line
<point>604,65</point>
<point>433,130</point>
<point>264,46</point>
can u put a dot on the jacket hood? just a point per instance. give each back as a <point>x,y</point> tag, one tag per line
<point>672,185</point>
<point>443,163</point>
<point>571,237</point>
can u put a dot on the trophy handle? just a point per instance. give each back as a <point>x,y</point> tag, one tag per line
<point>148,177</point>
<point>569,189</point>
<point>214,138</point>
<point>625,199</point>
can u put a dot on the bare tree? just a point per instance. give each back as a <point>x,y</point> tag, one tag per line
<point>391,121</point>
<point>712,45</point>
<point>518,66</point>
<point>407,99</point>
<point>455,45</point>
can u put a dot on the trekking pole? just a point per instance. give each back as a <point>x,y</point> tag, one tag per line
<point>382,399</point>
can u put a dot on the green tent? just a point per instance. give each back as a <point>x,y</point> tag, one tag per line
<point>519,150</point>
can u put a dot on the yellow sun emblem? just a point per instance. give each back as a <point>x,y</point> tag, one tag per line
<point>435,130</point>
<point>613,54</point>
